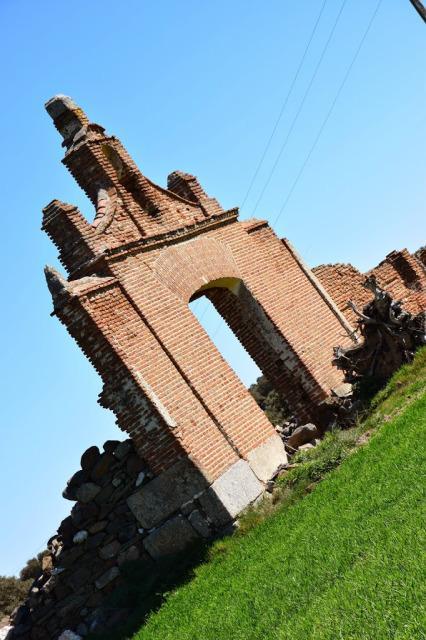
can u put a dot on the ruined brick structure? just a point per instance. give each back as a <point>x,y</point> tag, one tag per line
<point>200,449</point>
<point>401,274</point>
<point>132,272</point>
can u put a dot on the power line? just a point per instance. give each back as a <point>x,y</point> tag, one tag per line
<point>283,107</point>
<point>330,111</point>
<point>203,313</point>
<point>296,117</point>
<point>327,117</point>
<point>218,326</point>
<point>217,329</point>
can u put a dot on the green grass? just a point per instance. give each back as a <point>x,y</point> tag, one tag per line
<point>345,562</point>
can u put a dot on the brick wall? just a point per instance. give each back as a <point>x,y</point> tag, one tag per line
<point>132,274</point>
<point>401,274</point>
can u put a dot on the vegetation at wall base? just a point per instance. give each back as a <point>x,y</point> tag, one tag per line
<point>346,561</point>
<point>12,592</point>
<point>270,401</point>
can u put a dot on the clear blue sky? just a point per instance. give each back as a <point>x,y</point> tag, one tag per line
<point>195,86</point>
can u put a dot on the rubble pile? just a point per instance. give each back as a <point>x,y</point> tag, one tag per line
<point>91,545</point>
<point>123,513</point>
<point>297,436</point>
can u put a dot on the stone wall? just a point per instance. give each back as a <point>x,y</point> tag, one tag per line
<point>122,513</point>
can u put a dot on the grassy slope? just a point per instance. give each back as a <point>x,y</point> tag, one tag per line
<point>346,562</point>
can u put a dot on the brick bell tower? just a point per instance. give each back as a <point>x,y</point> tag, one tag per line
<point>131,274</point>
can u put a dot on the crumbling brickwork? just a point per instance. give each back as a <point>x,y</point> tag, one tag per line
<point>401,274</point>
<point>420,254</point>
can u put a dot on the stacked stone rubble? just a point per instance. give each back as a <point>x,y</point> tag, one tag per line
<point>121,513</point>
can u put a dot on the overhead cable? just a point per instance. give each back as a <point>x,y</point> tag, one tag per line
<point>330,111</point>
<point>301,105</point>
<point>284,105</point>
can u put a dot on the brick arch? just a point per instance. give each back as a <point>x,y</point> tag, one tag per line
<point>206,266</point>
<point>193,265</point>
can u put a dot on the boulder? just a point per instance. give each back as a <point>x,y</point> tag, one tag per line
<point>302,435</point>
<point>127,533</point>
<point>67,530</point>
<point>123,449</point>
<point>80,536</point>
<point>344,390</point>
<point>79,578</point>
<point>69,635</point>
<point>107,577</point>
<point>96,540</point>
<point>128,555</point>
<point>111,445</point>
<point>87,492</point>
<point>102,466</point>
<point>308,445</point>
<point>83,513</point>
<point>110,550</point>
<point>69,493</point>
<point>200,524</point>
<point>70,606</point>
<point>173,537</point>
<point>20,615</point>
<point>21,631</point>
<point>68,557</point>
<point>90,458</point>
<point>134,465</point>
<point>158,499</point>
<point>98,526</point>
<point>105,494</point>
<point>47,563</point>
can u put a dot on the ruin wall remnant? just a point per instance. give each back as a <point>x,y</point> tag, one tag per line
<point>401,273</point>
<point>132,273</point>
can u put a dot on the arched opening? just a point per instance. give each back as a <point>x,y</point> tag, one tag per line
<point>221,306</point>
<point>225,341</point>
<point>271,306</point>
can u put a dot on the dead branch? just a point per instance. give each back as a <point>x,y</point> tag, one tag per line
<point>390,336</point>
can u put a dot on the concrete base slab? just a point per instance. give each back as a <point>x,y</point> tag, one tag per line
<point>173,537</point>
<point>231,493</point>
<point>266,459</point>
<point>158,499</point>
